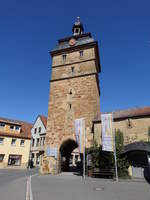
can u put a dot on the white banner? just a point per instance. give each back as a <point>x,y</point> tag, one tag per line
<point>79,133</point>
<point>107,132</point>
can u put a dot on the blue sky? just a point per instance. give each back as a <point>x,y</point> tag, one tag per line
<point>31,28</point>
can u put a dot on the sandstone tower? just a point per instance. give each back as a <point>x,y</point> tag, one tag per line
<point>74,93</point>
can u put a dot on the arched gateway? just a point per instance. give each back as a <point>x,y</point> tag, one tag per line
<point>66,150</point>
<point>74,94</point>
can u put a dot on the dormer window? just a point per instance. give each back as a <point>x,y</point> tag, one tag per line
<point>64,56</point>
<point>2,124</point>
<point>17,128</point>
<point>11,127</point>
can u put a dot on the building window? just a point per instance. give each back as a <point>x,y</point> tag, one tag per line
<point>22,142</point>
<point>33,140</point>
<point>37,142</point>
<point>2,157</point>
<point>14,160</point>
<point>17,128</point>
<point>2,124</point>
<point>129,123</point>
<point>70,106</point>
<point>81,53</point>
<point>13,142</point>
<point>70,92</point>
<point>35,130</point>
<point>11,127</point>
<point>39,129</point>
<point>64,56</point>
<point>1,140</point>
<point>43,140</point>
<point>72,69</point>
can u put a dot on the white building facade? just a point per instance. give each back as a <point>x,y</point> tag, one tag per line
<point>38,133</point>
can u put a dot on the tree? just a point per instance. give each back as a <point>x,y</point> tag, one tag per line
<point>122,162</point>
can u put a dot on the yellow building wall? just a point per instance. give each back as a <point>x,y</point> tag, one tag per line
<point>7,149</point>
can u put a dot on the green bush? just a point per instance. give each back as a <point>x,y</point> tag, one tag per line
<point>122,162</point>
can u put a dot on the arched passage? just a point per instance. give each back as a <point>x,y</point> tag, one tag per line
<point>137,154</point>
<point>66,149</point>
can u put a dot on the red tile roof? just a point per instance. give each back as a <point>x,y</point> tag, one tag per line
<point>130,113</point>
<point>25,131</point>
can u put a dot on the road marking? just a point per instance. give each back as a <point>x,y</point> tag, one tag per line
<point>29,195</point>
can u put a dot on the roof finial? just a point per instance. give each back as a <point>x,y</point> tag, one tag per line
<point>78,19</point>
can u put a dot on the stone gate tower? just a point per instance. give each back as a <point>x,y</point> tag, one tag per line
<point>74,93</point>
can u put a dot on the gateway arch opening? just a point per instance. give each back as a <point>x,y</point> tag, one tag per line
<point>69,156</point>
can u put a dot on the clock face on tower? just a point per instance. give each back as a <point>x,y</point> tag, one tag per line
<point>72,42</point>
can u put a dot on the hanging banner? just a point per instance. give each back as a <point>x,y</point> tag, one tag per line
<point>107,132</point>
<point>79,133</point>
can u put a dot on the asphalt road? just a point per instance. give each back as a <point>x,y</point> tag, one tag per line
<point>13,183</point>
<point>69,187</point>
<point>8,175</point>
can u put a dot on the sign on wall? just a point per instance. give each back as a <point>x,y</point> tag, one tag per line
<point>107,132</point>
<point>79,133</point>
<point>51,152</point>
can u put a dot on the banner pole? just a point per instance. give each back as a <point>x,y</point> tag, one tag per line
<point>116,169</point>
<point>84,164</point>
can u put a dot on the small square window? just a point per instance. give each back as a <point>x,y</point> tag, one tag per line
<point>22,142</point>
<point>64,56</point>
<point>13,142</point>
<point>81,53</point>
<point>1,140</point>
<point>35,130</point>
<point>39,129</point>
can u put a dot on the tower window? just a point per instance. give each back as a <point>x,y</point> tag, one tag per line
<point>64,56</point>
<point>70,106</point>
<point>81,53</point>
<point>72,69</point>
<point>70,92</point>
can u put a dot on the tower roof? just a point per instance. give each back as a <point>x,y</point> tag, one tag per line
<point>77,28</point>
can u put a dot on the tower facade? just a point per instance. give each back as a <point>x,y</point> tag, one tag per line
<point>74,94</point>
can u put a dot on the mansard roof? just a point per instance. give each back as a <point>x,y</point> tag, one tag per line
<point>25,128</point>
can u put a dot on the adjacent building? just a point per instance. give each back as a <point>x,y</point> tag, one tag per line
<point>135,126</point>
<point>38,133</point>
<point>14,143</point>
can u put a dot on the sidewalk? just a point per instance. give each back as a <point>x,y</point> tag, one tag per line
<point>71,187</point>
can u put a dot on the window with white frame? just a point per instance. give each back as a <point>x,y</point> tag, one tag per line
<point>22,142</point>
<point>13,142</point>
<point>17,128</point>
<point>1,140</point>
<point>39,129</point>
<point>11,127</point>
